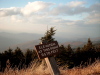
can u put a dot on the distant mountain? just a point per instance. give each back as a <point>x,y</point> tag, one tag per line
<point>74,44</point>
<point>13,39</point>
<point>9,39</point>
<point>26,45</point>
<point>95,39</point>
<point>29,40</point>
<point>81,43</point>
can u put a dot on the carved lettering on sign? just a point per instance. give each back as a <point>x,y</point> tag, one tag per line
<point>46,50</point>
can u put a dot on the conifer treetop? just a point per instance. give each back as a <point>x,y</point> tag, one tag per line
<point>49,35</point>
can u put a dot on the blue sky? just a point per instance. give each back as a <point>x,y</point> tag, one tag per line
<point>75,18</point>
<point>22,3</point>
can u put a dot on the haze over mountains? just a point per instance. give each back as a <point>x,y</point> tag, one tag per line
<point>9,39</point>
<point>28,40</point>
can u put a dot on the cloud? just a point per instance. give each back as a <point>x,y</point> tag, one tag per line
<point>93,18</point>
<point>40,13</point>
<point>17,18</point>
<point>46,8</point>
<point>68,9</point>
<point>35,17</point>
<point>95,7</point>
<point>75,3</point>
<point>39,7</point>
<point>34,7</point>
<point>40,16</point>
<point>74,9</point>
<point>30,9</point>
<point>9,11</point>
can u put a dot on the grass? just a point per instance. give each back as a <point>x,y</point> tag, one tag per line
<point>34,69</point>
<point>93,69</point>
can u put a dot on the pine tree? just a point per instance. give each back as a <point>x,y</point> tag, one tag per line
<point>49,35</point>
<point>89,46</point>
<point>69,49</point>
<point>78,50</point>
<point>28,56</point>
<point>18,57</point>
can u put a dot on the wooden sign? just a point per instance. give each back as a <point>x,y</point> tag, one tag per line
<point>49,49</point>
<point>46,50</point>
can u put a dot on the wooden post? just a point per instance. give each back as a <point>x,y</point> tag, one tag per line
<point>51,63</point>
<point>0,65</point>
<point>52,66</point>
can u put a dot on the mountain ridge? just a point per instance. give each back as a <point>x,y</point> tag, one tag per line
<point>29,40</point>
<point>74,44</point>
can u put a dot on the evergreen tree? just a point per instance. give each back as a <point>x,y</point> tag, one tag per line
<point>69,49</point>
<point>61,58</point>
<point>18,57</point>
<point>8,54</point>
<point>28,57</point>
<point>49,35</point>
<point>78,50</point>
<point>34,55</point>
<point>89,46</point>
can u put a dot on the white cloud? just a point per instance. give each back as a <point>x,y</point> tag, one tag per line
<point>93,18</point>
<point>70,9</point>
<point>40,14</point>
<point>75,3</point>
<point>30,9</point>
<point>16,18</point>
<point>34,7</point>
<point>45,8</point>
<point>9,11</point>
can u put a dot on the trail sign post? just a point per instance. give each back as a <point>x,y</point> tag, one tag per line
<point>47,51</point>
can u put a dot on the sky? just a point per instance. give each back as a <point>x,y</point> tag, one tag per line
<point>71,18</point>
